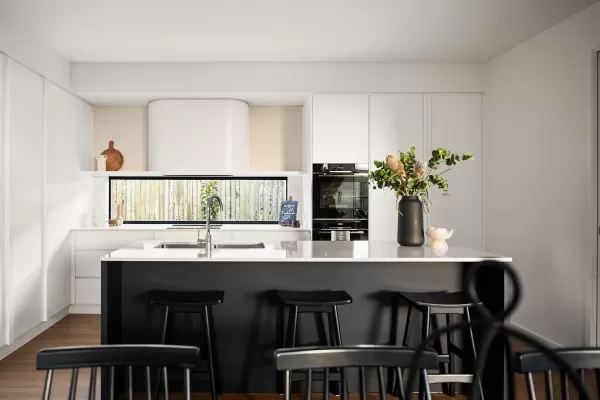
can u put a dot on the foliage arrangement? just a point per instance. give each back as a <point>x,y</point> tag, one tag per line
<point>407,176</point>
<point>206,190</point>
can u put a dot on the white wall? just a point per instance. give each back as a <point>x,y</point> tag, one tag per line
<point>275,138</point>
<point>539,169</point>
<point>139,82</point>
<point>127,126</point>
<point>30,51</point>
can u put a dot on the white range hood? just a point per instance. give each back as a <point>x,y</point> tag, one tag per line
<point>198,136</point>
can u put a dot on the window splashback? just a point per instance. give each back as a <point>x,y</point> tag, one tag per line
<point>168,200</point>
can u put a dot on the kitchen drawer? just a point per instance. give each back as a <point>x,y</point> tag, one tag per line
<point>191,235</point>
<point>87,291</point>
<point>96,240</point>
<point>269,237</point>
<point>87,263</point>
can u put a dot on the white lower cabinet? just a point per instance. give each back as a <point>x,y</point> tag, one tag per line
<point>87,263</point>
<point>269,237</point>
<point>87,291</point>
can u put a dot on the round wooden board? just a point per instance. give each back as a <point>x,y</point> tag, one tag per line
<point>114,158</point>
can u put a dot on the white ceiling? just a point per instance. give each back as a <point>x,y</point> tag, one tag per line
<point>285,30</point>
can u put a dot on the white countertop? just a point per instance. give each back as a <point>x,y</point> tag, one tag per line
<point>303,251</point>
<point>224,227</point>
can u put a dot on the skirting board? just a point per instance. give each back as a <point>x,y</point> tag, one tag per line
<point>545,341</point>
<point>84,309</point>
<point>32,333</point>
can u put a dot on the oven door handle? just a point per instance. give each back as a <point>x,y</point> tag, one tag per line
<point>357,232</point>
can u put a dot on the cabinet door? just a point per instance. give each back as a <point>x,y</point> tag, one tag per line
<point>455,123</point>
<point>3,102</point>
<point>396,123</point>
<point>68,125</point>
<point>25,175</point>
<point>341,128</point>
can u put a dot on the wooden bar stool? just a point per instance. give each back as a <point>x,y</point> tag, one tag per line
<point>193,303</point>
<point>316,302</point>
<point>431,304</point>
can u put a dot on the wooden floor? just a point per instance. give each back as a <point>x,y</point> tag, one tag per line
<point>19,379</point>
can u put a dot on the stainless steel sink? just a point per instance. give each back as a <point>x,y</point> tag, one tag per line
<point>182,245</point>
<point>194,245</point>
<point>257,245</point>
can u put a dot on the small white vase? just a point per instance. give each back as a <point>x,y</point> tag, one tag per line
<point>438,237</point>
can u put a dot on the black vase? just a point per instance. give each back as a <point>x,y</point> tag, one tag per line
<point>410,221</point>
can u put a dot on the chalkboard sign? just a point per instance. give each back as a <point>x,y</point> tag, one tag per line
<point>289,210</point>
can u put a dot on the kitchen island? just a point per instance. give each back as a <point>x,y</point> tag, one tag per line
<point>248,324</point>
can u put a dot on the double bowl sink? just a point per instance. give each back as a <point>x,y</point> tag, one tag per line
<point>195,245</point>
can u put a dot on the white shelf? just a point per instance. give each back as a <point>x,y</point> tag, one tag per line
<point>156,173</point>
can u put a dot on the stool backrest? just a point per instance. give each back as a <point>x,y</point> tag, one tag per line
<point>359,356</point>
<point>109,357</point>
<point>580,359</point>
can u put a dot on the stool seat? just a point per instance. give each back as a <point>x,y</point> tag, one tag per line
<point>314,298</point>
<point>175,298</point>
<point>437,299</point>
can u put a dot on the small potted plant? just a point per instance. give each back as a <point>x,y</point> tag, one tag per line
<point>410,179</point>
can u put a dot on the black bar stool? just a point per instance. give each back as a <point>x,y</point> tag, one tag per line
<point>444,303</point>
<point>193,303</point>
<point>317,302</point>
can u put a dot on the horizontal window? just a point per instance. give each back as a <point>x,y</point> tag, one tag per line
<point>183,199</point>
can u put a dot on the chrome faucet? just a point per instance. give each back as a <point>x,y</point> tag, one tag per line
<point>208,204</point>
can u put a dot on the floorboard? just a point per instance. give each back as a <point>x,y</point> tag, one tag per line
<point>19,380</point>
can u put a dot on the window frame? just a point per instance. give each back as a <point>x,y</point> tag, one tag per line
<point>198,178</point>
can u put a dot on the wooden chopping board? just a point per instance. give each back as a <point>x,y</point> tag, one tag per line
<point>114,158</point>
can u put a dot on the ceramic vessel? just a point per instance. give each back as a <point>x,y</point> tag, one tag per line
<point>101,163</point>
<point>410,221</point>
<point>438,237</point>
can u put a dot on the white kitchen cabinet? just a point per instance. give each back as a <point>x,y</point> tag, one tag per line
<point>87,263</point>
<point>25,180</point>
<point>3,102</point>
<point>198,136</point>
<point>396,123</point>
<point>108,240</point>
<point>269,237</point>
<point>68,126</point>
<point>340,131</point>
<point>87,291</point>
<point>189,235</point>
<point>455,123</point>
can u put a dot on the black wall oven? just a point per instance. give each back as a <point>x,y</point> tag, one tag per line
<point>340,202</point>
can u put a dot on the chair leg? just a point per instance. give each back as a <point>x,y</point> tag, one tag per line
<point>338,332</point>
<point>337,387</point>
<point>209,350</point>
<point>292,328</point>
<point>425,323</point>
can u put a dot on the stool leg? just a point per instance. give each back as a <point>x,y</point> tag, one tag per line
<point>440,350</point>
<point>217,369</point>
<point>406,327</point>
<point>424,333</point>
<point>292,327</point>
<point>209,350</point>
<point>338,332</point>
<point>337,388</point>
<point>451,368</point>
<point>163,338</point>
<point>468,315</point>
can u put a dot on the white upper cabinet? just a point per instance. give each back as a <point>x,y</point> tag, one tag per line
<point>455,123</point>
<point>198,136</point>
<point>397,122</point>
<point>340,128</point>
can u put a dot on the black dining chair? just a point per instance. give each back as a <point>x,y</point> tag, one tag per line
<point>580,359</point>
<point>357,356</point>
<point>107,358</point>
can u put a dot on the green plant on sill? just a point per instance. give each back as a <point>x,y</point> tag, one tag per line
<point>206,190</point>
<point>407,176</point>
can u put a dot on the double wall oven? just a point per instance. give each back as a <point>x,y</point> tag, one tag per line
<point>340,202</point>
